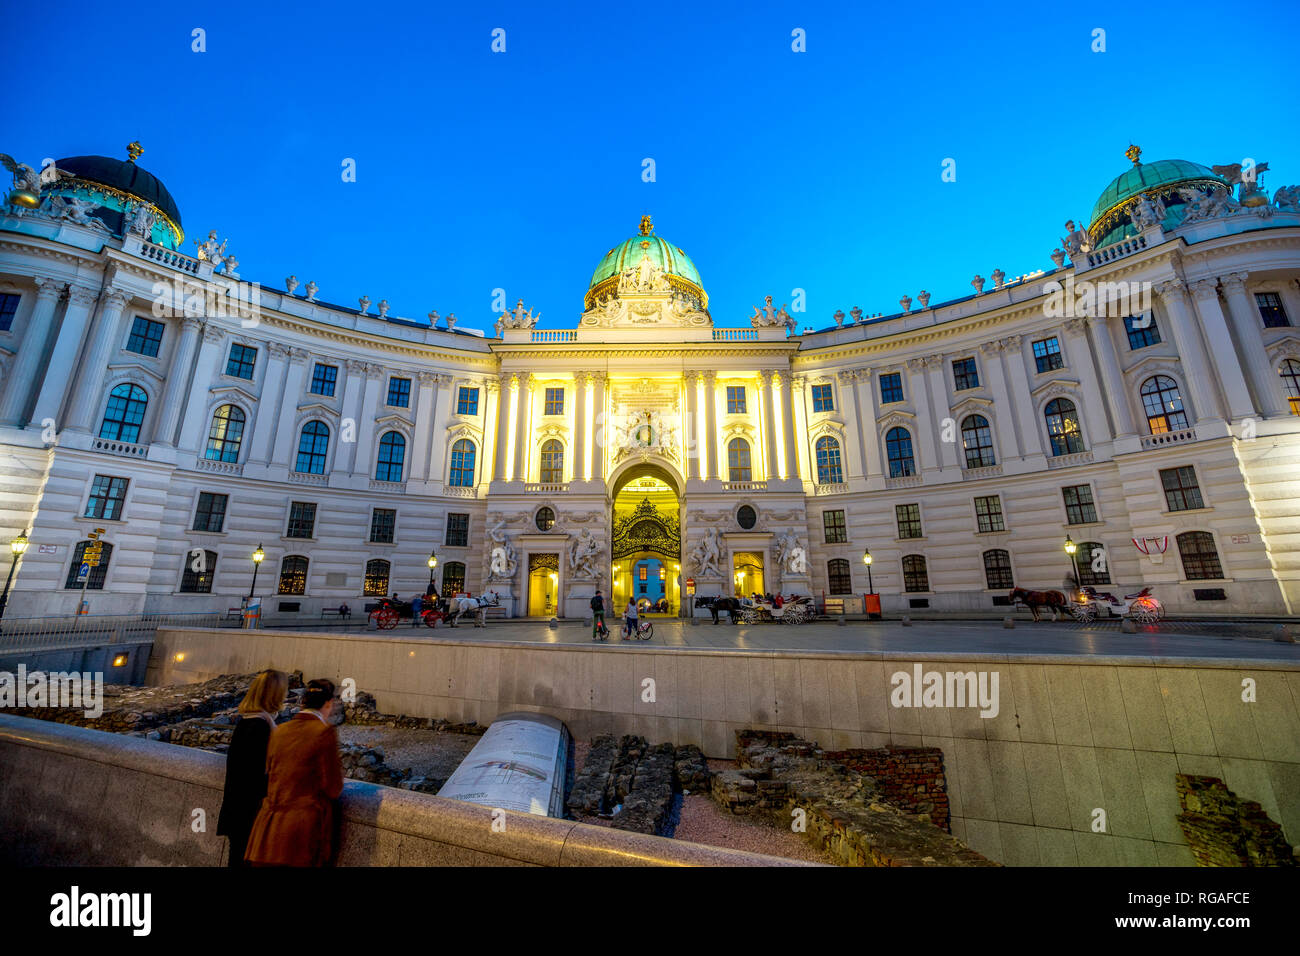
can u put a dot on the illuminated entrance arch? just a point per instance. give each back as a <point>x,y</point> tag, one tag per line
<point>646,537</point>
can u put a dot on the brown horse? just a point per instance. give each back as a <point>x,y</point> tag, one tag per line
<point>1054,601</point>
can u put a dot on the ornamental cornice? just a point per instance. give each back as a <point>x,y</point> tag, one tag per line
<point>1286,347</point>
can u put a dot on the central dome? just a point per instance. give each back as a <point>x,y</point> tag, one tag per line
<point>662,254</point>
<point>1110,222</point>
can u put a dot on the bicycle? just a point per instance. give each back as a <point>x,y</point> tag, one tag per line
<point>599,632</point>
<point>643,631</point>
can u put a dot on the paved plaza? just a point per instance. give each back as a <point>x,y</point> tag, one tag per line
<point>1189,640</point>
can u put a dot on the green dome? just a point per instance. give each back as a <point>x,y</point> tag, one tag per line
<point>1110,221</point>
<point>666,257</point>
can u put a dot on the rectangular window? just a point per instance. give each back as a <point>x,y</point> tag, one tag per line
<point>915,576</point>
<point>8,309</point>
<point>146,336</point>
<point>833,524</point>
<point>554,401</point>
<point>302,520</point>
<point>735,400</point>
<point>988,514</point>
<point>323,379</point>
<point>823,400</point>
<point>210,515</point>
<point>467,401</point>
<point>107,496</point>
<point>399,392</point>
<point>1142,331</point>
<point>383,522</point>
<point>1079,507</point>
<point>198,580</point>
<point>1182,493</point>
<point>641,572</point>
<point>840,578</point>
<point>909,520</point>
<point>457,530</point>
<point>241,362</point>
<point>891,387</point>
<point>964,374</point>
<point>1047,355</point>
<point>1271,310</point>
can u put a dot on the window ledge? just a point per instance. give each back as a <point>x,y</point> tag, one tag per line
<point>215,534</point>
<point>379,544</point>
<point>105,520</point>
<point>289,540</point>
<point>1202,582</point>
<point>1085,524</point>
<point>922,539</point>
<point>992,534</point>
<point>1187,511</point>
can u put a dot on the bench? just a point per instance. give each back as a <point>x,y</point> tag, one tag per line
<point>328,613</point>
<point>234,614</point>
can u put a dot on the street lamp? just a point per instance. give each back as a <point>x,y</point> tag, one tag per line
<point>866,559</point>
<point>18,545</point>
<point>1070,549</point>
<point>433,563</point>
<point>258,555</point>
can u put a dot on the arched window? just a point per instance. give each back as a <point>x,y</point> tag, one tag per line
<point>552,462</point>
<point>312,446</point>
<point>738,460</point>
<point>841,581</point>
<point>376,583</point>
<point>462,464</point>
<point>1063,427</point>
<point>977,439</point>
<point>1290,372</point>
<point>997,569</point>
<point>453,579</point>
<point>829,471</point>
<point>1094,563</point>
<point>293,575</point>
<point>198,575</point>
<point>226,433</point>
<point>95,580</point>
<point>392,453</point>
<point>898,445</point>
<point>1163,404</point>
<point>915,577</point>
<point>1200,557</point>
<point>125,413</point>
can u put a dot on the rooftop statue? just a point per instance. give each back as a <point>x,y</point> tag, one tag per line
<point>1077,239</point>
<point>521,318</point>
<point>770,315</point>
<point>75,211</point>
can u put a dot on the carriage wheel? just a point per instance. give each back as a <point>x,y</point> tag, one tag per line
<point>431,618</point>
<point>386,618</point>
<point>749,616</point>
<point>1142,612</point>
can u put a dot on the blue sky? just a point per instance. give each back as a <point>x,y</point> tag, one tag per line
<point>775,170</point>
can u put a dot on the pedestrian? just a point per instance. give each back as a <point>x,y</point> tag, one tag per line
<point>345,612</point>
<point>416,604</point>
<point>629,619</point>
<point>598,616</point>
<point>246,761</point>
<point>296,825</point>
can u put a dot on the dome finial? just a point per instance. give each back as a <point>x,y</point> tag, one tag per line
<point>134,150</point>
<point>647,227</point>
<point>1134,153</point>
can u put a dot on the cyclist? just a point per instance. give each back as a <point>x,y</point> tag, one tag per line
<point>598,615</point>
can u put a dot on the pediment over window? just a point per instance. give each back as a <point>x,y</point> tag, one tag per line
<point>973,404</point>
<point>1057,386</point>
<point>317,408</point>
<point>134,370</point>
<point>397,421</point>
<point>1154,364</point>
<point>899,417</point>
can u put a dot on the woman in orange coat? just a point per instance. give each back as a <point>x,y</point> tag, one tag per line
<point>295,826</point>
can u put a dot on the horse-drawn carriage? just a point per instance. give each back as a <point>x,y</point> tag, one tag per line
<point>1141,607</point>
<point>388,613</point>
<point>797,610</point>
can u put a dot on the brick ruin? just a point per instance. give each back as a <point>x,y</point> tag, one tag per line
<point>1224,830</point>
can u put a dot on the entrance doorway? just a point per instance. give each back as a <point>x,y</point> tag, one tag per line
<point>747,573</point>
<point>647,542</point>
<point>543,584</point>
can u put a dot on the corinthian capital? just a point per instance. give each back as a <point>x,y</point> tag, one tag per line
<point>213,333</point>
<point>116,300</point>
<point>1171,288</point>
<point>915,364</point>
<point>846,376</point>
<point>1205,288</point>
<point>375,372</point>
<point>932,361</point>
<point>47,288</point>
<point>992,348</point>
<point>82,295</point>
<point>1077,325</point>
<point>1234,282</point>
<point>355,367</point>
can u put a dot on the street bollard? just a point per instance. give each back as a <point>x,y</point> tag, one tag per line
<point>907,621</point>
<point>1008,622</point>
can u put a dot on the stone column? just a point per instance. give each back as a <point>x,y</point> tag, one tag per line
<point>1223,353</point>
<point>1033,430</point>
<point>487,468</point>
<point>353,391</point>
<point>425,405</point>
<point>1112,379</point>
<point>178,381</point>
<point>692,380</point>
<point>285,409</point>
<point>788,444</point>
<point>267,423</point>
<point>509,393</point>
<point>524,431</point>
<point>364,453</point>
<point>438,448</point>
<point>581,440</point>
<point>1265,383</point>
<point>1076,334</point>
<point>711,424</point>
<point>927,439</point>
<point>27,363</point>
<point>602,426</point>
<point>934,373</point>
<point>769,386</point>
<point>1196,365</point>
<point>855,455</point>
<point>799,384</point>
<point>63,359</point>
<point>865,396</point>
<point>1005,429</point>
<point>85,391</point>
<point>194,423</point>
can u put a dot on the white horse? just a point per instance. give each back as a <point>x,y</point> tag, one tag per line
<point>459,606</point>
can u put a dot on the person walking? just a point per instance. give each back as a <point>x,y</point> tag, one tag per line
<point>598,628</point>
<point>417,603</point>
<point>629,619</point>
<point>246,761</point>
<point>296,825</point>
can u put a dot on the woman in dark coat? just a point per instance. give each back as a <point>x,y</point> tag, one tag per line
<point>246,760</point>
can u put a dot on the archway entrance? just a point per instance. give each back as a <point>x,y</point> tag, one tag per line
<point>646,549</point>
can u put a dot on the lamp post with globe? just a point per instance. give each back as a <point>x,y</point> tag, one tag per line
<point>18,545</point>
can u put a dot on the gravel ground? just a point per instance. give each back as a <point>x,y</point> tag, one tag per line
<point>424,751</point>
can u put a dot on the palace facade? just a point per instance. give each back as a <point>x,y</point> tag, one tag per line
<point>1140,399</point>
